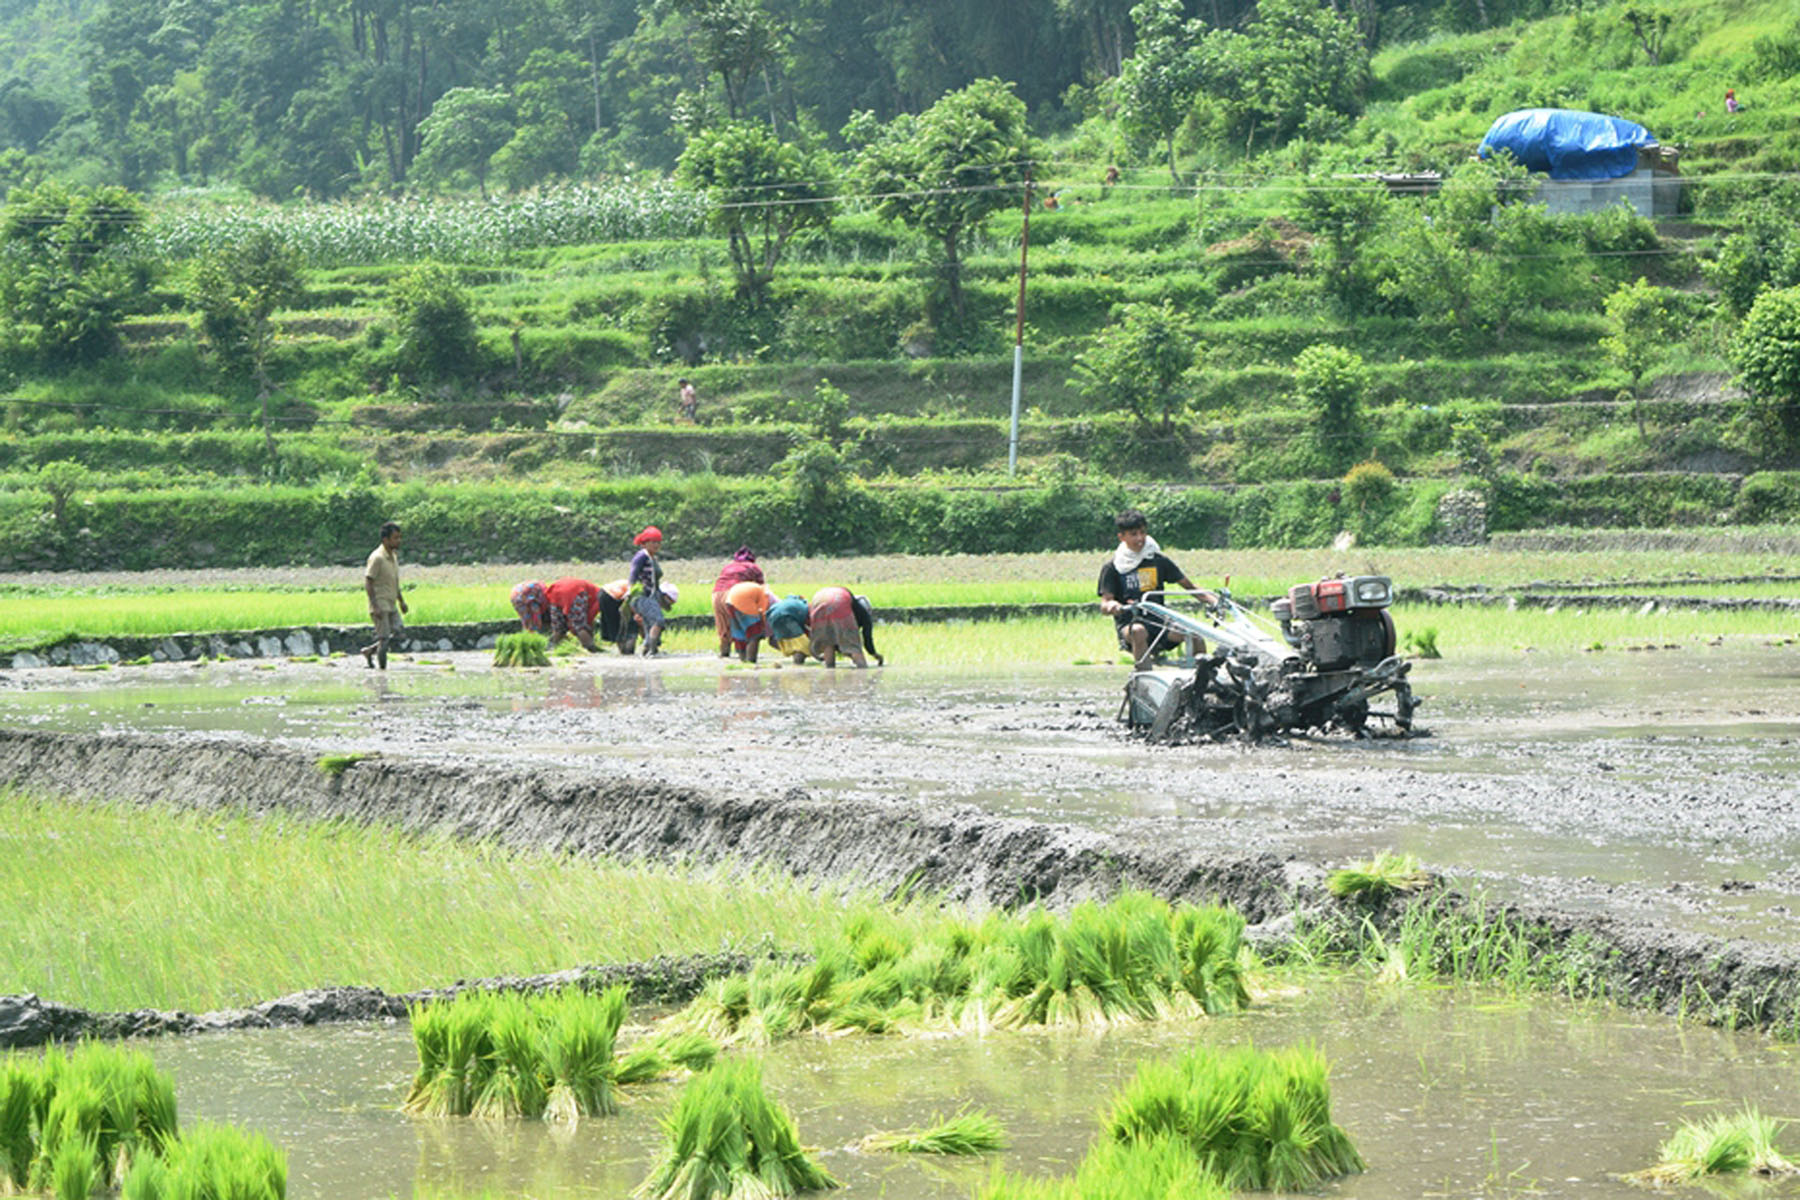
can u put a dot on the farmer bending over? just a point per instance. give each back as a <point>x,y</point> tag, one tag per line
<point>1139,569</point>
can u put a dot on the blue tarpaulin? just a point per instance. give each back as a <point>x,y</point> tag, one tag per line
<point>1569,144</point>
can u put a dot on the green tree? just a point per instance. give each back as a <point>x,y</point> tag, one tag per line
<point>1640,320</point>
<point>734,39</point>
<point>60,480</point>
<point>1766,353</point>
<point>238,289</point>
<point>946,169</point>
<point>65,278</point>
<point>1158,83</point>
<point>1138,363</point>
<point>466,126</point>
<point>761,192</point>
<point>1330,381</point>
<point>1298,63</point>
<point>551,89</point>
<point>436,323</point>
<point>1650,26</point>
<point>1344,215</point>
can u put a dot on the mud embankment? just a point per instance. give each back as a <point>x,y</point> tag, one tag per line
<point>953,850</point>
<point>31,1021</point>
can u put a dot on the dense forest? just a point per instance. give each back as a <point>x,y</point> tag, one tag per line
<point>331,97</point>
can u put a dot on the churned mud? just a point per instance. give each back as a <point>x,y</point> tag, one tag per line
<point>1647,800</point>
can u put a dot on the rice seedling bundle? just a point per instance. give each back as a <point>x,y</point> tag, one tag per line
<point>726,1137</point>
<point>1384,875</point>
<point>1160,1168</point>
<point>96,1103</point>
<point>506,1056</point>
<point>73,1172</point>
<point>971,1131</point>
<point>1254,1120</point>
<point>1134,958</point>
<point>1725,1144</point>
<point>524,649</point>
<point>210,1162</point>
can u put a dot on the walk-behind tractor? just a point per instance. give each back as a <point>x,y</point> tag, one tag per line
<point>1238,678</point>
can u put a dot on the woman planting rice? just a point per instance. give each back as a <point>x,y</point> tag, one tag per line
<point>788,619</point>
<point>567,606</point>
<point>741,569</point>
<point>746,608</point>
<point>842,622</point>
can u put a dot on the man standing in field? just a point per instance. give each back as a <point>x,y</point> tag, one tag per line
<point>381,580</point>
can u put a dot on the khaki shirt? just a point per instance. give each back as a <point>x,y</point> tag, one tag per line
<point>384,572</point>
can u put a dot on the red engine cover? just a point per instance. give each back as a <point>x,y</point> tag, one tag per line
<point>1333,595</point>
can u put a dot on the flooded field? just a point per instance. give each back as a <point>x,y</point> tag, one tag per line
<point>1446,1093</point>
<point>1655,782</point>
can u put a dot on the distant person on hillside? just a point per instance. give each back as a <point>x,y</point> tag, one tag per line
<point>381,581</point>
<point>687,401</point>
<point>1139,570</point>
<point>1731,101</point>
<point>741,569</point>
<point>841,623</point>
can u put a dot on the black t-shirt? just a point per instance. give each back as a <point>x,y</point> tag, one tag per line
<point>1157,572</point>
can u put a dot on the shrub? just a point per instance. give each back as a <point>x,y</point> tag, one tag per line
<point>1766,353</point>
<point>436,323</point>
<point>1331,381</point>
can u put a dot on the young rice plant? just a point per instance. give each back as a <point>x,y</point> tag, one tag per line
<point>727,1138</point>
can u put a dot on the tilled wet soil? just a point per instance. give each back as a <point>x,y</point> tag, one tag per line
<point>1647,798</point>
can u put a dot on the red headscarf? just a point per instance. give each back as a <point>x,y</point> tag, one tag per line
<point>651,534</point>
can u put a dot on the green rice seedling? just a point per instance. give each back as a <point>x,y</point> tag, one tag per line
<point>726,1137</point>
<point>333,765</point>
<point>513,1086</point>
<point>1160,1168</point>
<point>212,1162</point>
<point>454,1055</point>
<point>663,1055</point>
<point>1384,875</point>
<point>76,1117</point>
<point>970,1131</point>
<point>580,1030</point>
<point>1255,1120</point>
<point>1209,954</point>
<point>522,649</point>
<point>1725,1144</point>
<point>73,1171</point>
<point>20,1085</point>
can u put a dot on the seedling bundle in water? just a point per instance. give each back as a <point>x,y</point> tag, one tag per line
<point>1133,959</point>
<point>727,1138</point>
<point>1162,1168</point>
<point>1727,1144</point>
<point>511,1056</point>
<point>1255,1120</point>
<point>972,1131</point>
<point>99,1117</point>
<point>521,650</point>
<point>1384,875</point>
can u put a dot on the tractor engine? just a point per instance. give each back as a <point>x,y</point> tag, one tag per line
<point>1339,623</point>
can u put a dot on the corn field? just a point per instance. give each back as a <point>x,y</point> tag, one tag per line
<point>415,229</point>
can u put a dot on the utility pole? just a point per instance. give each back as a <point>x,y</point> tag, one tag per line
<point>1012,445</point>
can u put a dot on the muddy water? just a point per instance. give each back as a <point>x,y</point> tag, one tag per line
<point>1658,782</point>
<point>1448,1094</point>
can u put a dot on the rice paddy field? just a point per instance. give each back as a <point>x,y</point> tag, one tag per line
<point>1631,762</point>
<point>36,609</point>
